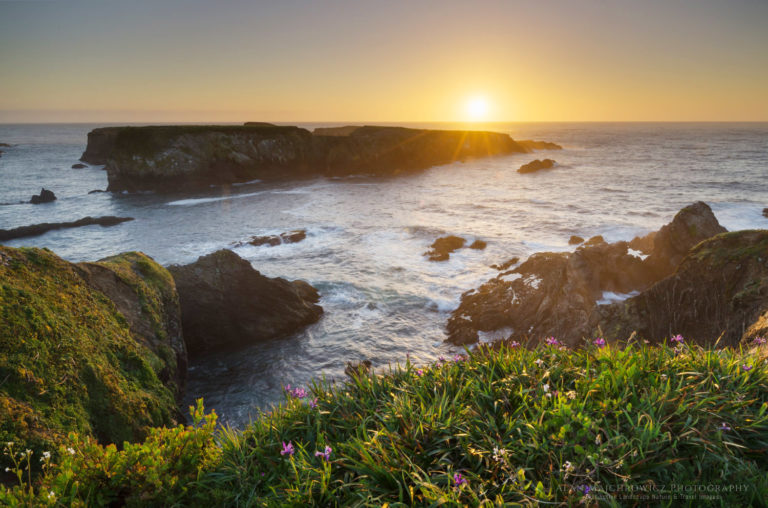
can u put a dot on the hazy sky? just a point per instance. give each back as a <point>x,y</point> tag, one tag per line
<point>384,60</point>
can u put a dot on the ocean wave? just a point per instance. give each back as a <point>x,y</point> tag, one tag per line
<point>200,201</point>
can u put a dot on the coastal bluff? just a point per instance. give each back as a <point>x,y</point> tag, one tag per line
<point>165,158</point>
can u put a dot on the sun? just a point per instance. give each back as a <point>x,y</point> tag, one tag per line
<point>477,108</point>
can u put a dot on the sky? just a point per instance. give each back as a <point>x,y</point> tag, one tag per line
<point>386,61</point>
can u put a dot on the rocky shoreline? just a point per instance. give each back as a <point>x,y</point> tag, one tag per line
<point>163,158</point>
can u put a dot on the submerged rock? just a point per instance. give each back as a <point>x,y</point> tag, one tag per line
<point>294,236</point>
<point>441,249</point>
<point>555,294</point>
<point>226,303</point>
<point>506,264</point>
<point>719,291</point>
<point>79,166</point>
<point>478,245</point>
<point>765,212</point>
<point>45,196</point>
<point>536,165</point>
<point>39,229</point>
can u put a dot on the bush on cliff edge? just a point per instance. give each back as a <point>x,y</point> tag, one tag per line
<point>635,425</point>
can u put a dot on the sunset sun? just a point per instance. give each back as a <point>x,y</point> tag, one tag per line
<point>477,109</point>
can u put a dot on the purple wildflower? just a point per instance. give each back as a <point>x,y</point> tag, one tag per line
<point>759,340</point>
<point>326,455</point>
<point>459,480</point>
<point>287,449</point>
<point>441,359</point>
<point>677,338</point>
<point>552,342</point>
<point>724,426</point>
<point>585,489</point>
<point>746,368</point>
<point>599,342</point>
<point>458,358</point>
<point>296,393</point>
<point>514,344</point>
<point>419,372</point>
<point>313,403</point>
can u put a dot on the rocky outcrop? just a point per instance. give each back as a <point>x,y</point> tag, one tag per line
<point>173,157</point>
<point>93,348</point>
<point>79,166</point>
<point>720,290</point>
<point>226,303</point>
<point>294,236</point>
<point>45,196</point>
<point>531,145</point>
<point>478,245</point>
<point>536,165</point>
<point>39,229</point>
<point>555,294</point>
<point>442,248</point>
<point>765,212</point>
<point>575,240</point>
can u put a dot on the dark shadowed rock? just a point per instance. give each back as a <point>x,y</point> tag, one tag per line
<point>478,245</point>
<point>536,165</point>
<point>226,303</point>
<point>643,244</point>
<point>765,212</point>
<point>39,229</point>
<point>555,294</point>
<point>720,288</point>
<point>79,166</point>
<point>96,191</point>
<point>575,240</point>
<point>691,225</point>
<point>287,237</point>
<point>45,196</point>
<point>442,248</point>
<point>532,145</point>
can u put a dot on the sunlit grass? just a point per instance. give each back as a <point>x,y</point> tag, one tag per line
<point>547,425</point>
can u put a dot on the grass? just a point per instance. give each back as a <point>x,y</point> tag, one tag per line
<point>633,425</point>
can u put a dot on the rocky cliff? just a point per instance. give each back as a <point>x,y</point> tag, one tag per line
<point>91,347</point>
<point>173,157</point>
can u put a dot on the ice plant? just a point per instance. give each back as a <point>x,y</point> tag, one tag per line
<point>326,455</point>
<point>419,372</point>
<point>458,358</point>
<point>724,426</point>
<point>514,344</point>
<point>287,449</point>
<point>459,480</point>
<point>599,342</point>
<point>746,368</point>
<point>759,341</point>
<point>296,393</point>
<point>677,338</point>
<point>313,403</point>
<point>553,342</point>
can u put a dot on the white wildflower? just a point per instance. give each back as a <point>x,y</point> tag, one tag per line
<point>546,387</point>
<point>51,495</point>
<point>539,362</point>
<point>71,451</point>
<point>567,467</point>
<point>571,394</point>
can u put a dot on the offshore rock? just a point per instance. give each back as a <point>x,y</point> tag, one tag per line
<point>226,303</point>
<point>720,290</point>
<point>45,196</point>
<point>39,229</point>
<point>575,240</point>
<point>441,249</point>
<point>536,165</point>
<point>294,236</point>
<point>178,157</point>
<point>555,294</point>
<point>79,166</point>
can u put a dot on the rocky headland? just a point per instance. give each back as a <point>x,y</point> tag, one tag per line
<point>557,294</point>
<point>183,157</point>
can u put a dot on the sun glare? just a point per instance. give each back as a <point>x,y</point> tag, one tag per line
<point>477,109</point>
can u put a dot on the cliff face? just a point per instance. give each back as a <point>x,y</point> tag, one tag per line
<point>172,157</point>
<point>93,347</point>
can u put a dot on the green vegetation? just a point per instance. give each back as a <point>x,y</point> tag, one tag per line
<point>636,425</point>
<point>68,360</point>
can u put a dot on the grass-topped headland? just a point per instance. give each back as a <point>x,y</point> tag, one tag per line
<point>608,425</point>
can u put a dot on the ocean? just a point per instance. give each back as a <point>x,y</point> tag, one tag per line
<point>383,300</point>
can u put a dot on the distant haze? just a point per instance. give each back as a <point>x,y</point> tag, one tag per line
<point>387,61</point>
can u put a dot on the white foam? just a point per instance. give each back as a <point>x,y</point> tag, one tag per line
<point>610,297</point>
<point>494,335</point>
<point>249,182</point>
<point>198,201</point>
<point>509,277</point>
<point>637,254</point>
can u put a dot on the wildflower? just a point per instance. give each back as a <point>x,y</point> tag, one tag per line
<point>419,372</point>
<point>759,340</point>
<point>746,368</point>
<point>599,342</point>
<point>51,495</point>
<point>71,451</point>
<point>458,358</point>
<point>326,455</point>
<point>499,454</point>
<point>287,449</point>
<point>296,393</point>
<point>677,338</point>
<point>599,439</point>
<point>46,456</point>
<point>514,344</point>
<point>545,387</point>
<point>724,426</point>
<point>585,489</point>
<point>7,469</point>
<point>9,444</point>
<point>553,342</point>
<point>459,480</point>
<point>571,394</point>
<point>441,359</point>
<point>313,403</point>
<point>539,362</point>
